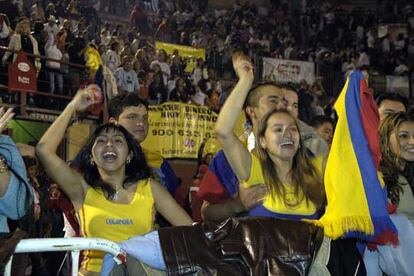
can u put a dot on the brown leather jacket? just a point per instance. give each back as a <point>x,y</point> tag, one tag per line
<point>241,246</point>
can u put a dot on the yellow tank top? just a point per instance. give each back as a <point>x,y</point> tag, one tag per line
<point>275,206</point>
<point>102,218</point>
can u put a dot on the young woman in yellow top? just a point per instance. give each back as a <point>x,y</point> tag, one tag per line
<point>111,192</point>
<point>279,160</point>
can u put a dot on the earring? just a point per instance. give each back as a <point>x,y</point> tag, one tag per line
<point>3,164</point>
<point>128,161</point>
<point>91,162</point>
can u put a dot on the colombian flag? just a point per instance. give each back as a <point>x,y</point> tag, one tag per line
<point>219,183</point>
<point>357,200</point>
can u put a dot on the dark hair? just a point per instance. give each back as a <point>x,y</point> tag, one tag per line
<point>390,163</point>
<point>392,97</point>
<point>114,45</point>
<point>304,175</point>
<point>135,170</point>
<point>288,86</point>
<point>118,104</point>
<point>254,95</point>
<point>320,120</point>
<point>202,84</point>
<point>29,161</point>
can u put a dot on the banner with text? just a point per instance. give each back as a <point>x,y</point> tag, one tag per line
<point>284,70</point>
<point>176,130</point>
<point>189,54</point>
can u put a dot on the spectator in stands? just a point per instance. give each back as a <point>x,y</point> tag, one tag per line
<point>199,71</point>
<point>112,58</point>
<point>112,187</point>
<point>142,58</point>
<point>200,96</point>
<point>51,26</point>
<point>177,65</point>
<point>53,66</point>
<point>132,113</point>
<point>213,83</point>
<point>16,194</point>
<point>37,12</point>
<point>389,103</point>
<point>157,91</point>
<point>179,93</point>
<point>4,30</point>
<point>51,10</point>
<point>15,191</point>
<point>397,160</point>
<point>324,126</point>
<point>126,77</point>
<point>218,189</point>
<point>314,144</point>
<point>278,148</point>
<point>75,51</point>
<point>161,60</point>
<point>22,40</point>
<point>10,10</point>
<point>139,19</point>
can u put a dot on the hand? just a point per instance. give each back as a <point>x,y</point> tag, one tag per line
<point>252,196</point>
<point>86,97</point>
<point>5,118</point>
<point>242,65</point>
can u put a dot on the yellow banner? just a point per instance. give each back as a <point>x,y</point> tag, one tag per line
<point>189,54</point>
<point>176,130</point>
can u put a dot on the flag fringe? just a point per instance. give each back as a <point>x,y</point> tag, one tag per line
<point>336,228</point>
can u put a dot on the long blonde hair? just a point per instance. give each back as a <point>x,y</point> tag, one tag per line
<point>304,175</point>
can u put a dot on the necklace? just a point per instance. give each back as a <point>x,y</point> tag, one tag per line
<point>115,195</point>
<point>3,164</point>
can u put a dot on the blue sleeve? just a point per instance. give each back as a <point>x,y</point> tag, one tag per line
<point>171,180</point>
<point>222,169</point>
<point>13,202</point>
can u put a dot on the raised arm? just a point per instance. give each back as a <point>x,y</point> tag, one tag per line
<point>236,153</point>
<point>70,181</point>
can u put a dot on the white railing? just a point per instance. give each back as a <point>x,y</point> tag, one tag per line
<point>75,245</point>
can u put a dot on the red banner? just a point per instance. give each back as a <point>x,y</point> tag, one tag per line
<point>22,74</point>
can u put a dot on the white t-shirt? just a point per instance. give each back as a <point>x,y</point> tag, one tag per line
<point>127,80</point>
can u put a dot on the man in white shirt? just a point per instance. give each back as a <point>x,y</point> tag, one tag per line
<point>126,77</point>
<point>51,27</point>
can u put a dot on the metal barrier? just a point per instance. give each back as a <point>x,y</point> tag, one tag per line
<point>75,245</point>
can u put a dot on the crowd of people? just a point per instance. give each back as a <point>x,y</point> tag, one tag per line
<point>275,171</point>
<point>336,38</point>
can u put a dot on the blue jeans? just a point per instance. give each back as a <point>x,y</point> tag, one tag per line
<point>146,249</point>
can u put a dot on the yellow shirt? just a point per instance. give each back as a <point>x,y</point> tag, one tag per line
<point>102,218</point>
<point>275,206</point>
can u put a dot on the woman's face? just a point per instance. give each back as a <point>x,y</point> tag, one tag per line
<point>25,27</point>
<point>110,150</point>
<point>281,138</point>
<point>402,141</point>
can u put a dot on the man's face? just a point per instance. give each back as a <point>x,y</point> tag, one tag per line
<point>326,131</point>
<point>135,120</point>
<point>292,102</point>
<point>388,107</point>
<point>128,65</point>
<point>270,98</point>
